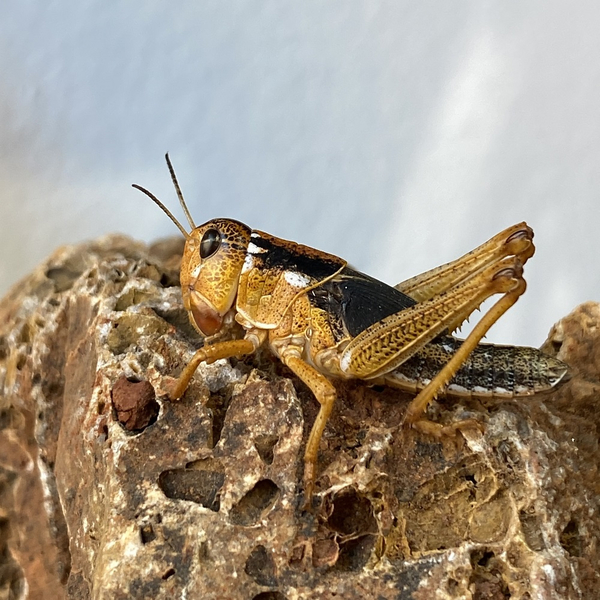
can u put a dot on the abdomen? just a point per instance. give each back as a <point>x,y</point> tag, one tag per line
<point>490,370</point>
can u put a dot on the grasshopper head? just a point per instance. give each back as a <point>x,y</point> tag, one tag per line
<point>213,258</point>
<point>212,261</point>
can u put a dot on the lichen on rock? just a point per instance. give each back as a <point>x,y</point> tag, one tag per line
<point>109,490</point>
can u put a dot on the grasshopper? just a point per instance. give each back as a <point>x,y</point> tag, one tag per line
<point>324,320</point>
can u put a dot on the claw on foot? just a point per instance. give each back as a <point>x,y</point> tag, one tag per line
<point>520,243</point>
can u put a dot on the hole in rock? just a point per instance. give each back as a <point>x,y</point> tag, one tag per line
<point>352,514</point>
<point>218,403</point>
<point>355,553</point>
<point>135,404</point>
<point>485,558</point>
<point>168,573</point>
<point>201,487</point>
<point>131,298</point>
<point>167,280</point>
<point>570,539</point>
<point>6,418</point>
<point>471,479</point>
<point>269,596</point>
<point>265,445</point>
<point>26,334</point>
<point>532,532</point>
<point>486,581</point>
<point>255,504</point>
<point>65,276</point>
<point>203,554</point>
<point>147,534</point>
<point>260,567</point>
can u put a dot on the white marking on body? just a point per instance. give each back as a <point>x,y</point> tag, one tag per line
<point>296,279</point>
<point>458,389</point>
<point>254,249</point>
<point>401,377</point>
<point>502,391</point>
<point>481,391</point>
<point>345,362</point>
<point>248,263</point>
<point>196,272</point>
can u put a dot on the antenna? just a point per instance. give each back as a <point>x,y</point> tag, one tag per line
<point>179,194</point>
<point>163,207</point>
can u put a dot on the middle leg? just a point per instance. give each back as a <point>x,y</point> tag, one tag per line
<point>325,394</point>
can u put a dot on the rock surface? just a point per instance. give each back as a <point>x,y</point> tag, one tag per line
<point>109,491</point>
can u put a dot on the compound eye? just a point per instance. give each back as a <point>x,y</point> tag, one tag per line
<point>211,240</point>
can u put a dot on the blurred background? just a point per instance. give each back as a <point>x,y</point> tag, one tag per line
<point>396,134</point>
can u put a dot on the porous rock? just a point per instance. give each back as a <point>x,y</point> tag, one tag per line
<point>108,490</point>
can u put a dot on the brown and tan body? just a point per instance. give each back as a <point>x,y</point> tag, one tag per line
<point>325,320</point>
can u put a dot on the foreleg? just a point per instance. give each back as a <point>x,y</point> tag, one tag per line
<point>209,354</point>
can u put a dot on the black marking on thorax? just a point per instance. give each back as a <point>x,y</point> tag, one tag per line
<point>282,255</point>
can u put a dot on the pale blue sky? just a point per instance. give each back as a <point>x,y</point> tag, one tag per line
<point>395,134</point>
